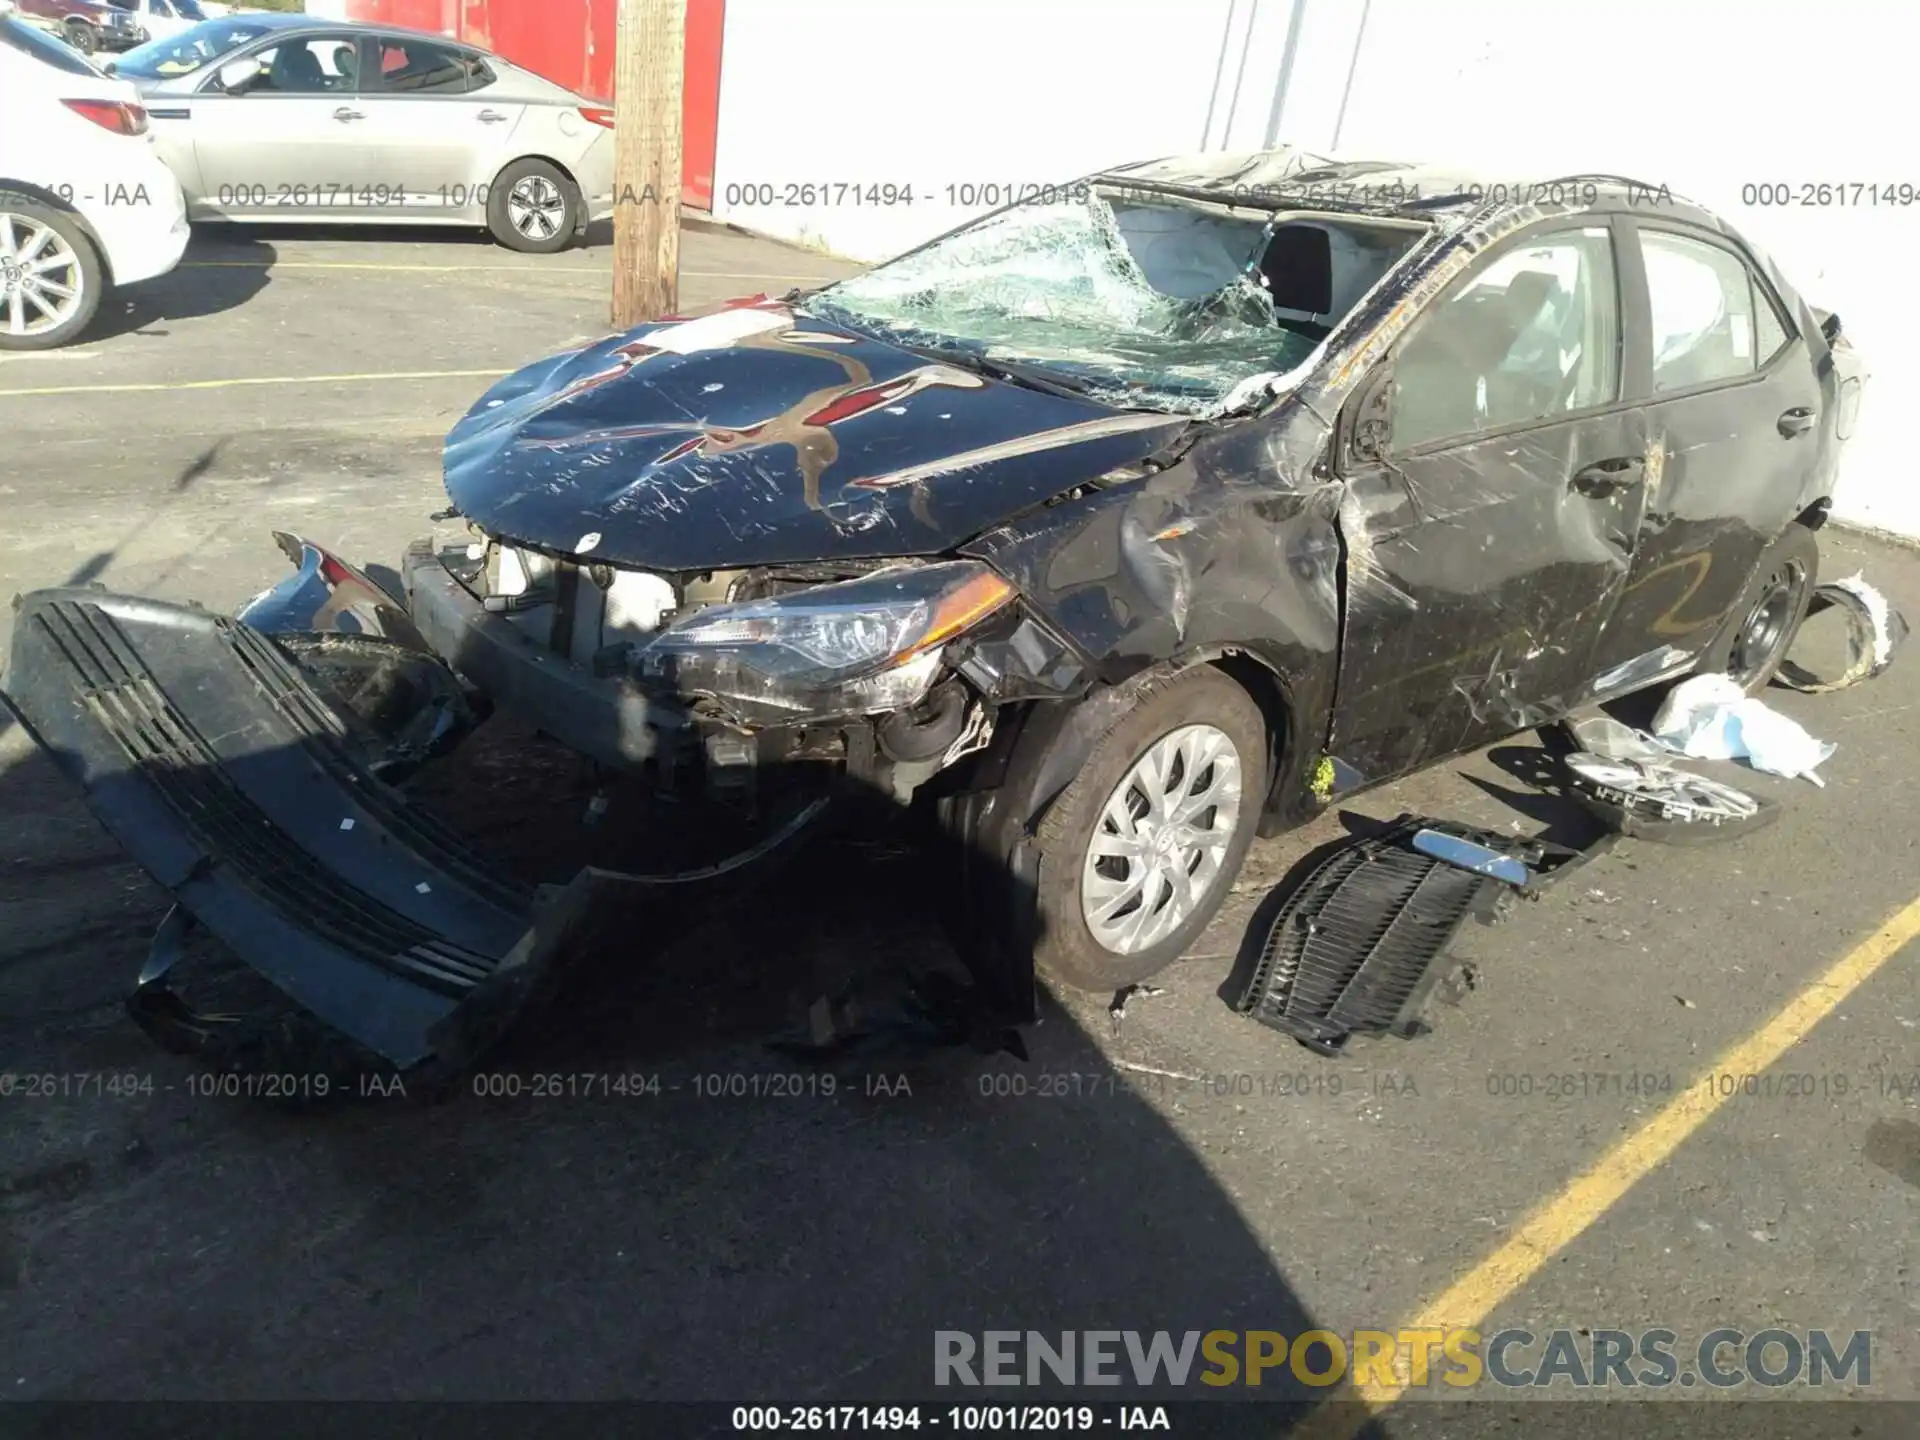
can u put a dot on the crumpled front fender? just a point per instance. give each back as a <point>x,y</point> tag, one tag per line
<point>327,596</point>
<point>361,646</point>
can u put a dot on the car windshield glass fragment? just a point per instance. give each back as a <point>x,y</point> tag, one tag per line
<point>189,50</point>
<point>1149,301</point>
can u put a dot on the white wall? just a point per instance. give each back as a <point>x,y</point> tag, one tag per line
<point>1704,96</point>
<point>930,93</point>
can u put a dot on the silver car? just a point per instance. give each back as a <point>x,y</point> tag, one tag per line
<point>291,118</point>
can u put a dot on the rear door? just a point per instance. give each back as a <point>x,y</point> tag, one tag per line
<point>1490,533</point>
<point>435,127</point>
<point>282,143</point>
<point>1733,417</point>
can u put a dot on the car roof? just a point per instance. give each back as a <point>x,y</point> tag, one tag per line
<point>272,20</point>
<point>1290,178</point>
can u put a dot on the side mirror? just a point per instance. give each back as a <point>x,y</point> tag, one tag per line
<point>110,67</point>
<point>235,74</point>
<point>1830,326</point>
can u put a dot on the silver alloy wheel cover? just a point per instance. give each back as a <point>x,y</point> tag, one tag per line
<point>1159,846</point>
<point>1669,792</point>
<point>32,255</point>
<point>536,207</point>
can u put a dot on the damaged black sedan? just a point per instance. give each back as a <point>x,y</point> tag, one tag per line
<point>1113,528</point>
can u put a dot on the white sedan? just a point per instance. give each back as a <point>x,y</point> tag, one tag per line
<point>85,202</point>
<point>295,118</point>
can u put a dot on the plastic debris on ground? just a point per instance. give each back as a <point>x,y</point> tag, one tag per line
<point>1611,739</point>
<point>1117,1007</point>
<point>1875,630</point>
<point>1652,801</point>
<point>1356,947</point>
<point>1709,717</point>
<point>898,1011</point>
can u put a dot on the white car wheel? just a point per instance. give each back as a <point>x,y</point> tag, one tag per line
<point>50,277</point>
<point>1162,840</point>
<point>534,207</point>
<point>1140,850</point>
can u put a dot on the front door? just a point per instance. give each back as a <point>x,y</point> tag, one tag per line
<point>1491,532</point>
<point>1733,422</point>
<point>283,141</point>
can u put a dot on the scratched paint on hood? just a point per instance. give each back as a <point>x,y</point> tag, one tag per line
<point>758,436</point>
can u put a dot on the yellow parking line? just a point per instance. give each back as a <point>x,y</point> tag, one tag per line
<point>1563,1219</point>
<point>150,387</point>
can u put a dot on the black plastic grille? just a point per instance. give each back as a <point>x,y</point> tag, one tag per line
<point>1353,947</point>
<point>124,698</point>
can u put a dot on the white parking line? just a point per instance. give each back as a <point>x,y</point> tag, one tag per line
<point>163,385</point>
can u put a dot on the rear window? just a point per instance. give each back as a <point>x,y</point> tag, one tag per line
<point>16,34</point>
<point>419,67</point>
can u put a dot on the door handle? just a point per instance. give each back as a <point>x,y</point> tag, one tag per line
<point>491,117</point>
<point>343,113</point>
<point>1606,477</point>
<point>1797,421</point>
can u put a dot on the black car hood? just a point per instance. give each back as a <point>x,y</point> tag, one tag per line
<point>758,436</point>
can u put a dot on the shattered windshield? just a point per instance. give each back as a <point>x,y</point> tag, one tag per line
<point>1145,300</point>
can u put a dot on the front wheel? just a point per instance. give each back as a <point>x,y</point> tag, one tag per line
<point>51,278</point>
<point>81,37</point>
<point>1139,852</point>
<point>533,207</point>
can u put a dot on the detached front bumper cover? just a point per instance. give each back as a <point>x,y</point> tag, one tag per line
<point>239,788</point>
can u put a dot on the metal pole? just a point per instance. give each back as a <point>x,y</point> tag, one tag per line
<point>1296,22</point>
<point>1219,72</point>
<point>1233,106</point>
<point>1346,94</point>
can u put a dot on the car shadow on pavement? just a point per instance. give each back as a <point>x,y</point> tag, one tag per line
<point>227,239</point>
<point>749,1223</point>
<point>200,285</point>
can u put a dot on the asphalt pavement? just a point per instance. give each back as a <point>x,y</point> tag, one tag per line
<point>738,1227</point>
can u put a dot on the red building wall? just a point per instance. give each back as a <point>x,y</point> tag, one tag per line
<point>571,42</point>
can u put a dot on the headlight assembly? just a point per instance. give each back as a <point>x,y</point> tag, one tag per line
<point>856,647</point>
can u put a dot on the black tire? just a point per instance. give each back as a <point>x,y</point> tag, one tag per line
<point>535,179</point>
<point>1762,624</point>
<point>91,274</point>
<point>1065,949</point>
<point>79,34</point>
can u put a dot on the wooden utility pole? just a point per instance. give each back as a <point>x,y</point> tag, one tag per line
<point>647,81</point>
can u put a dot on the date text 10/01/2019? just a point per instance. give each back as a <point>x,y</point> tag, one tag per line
<point>960,1418</point>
